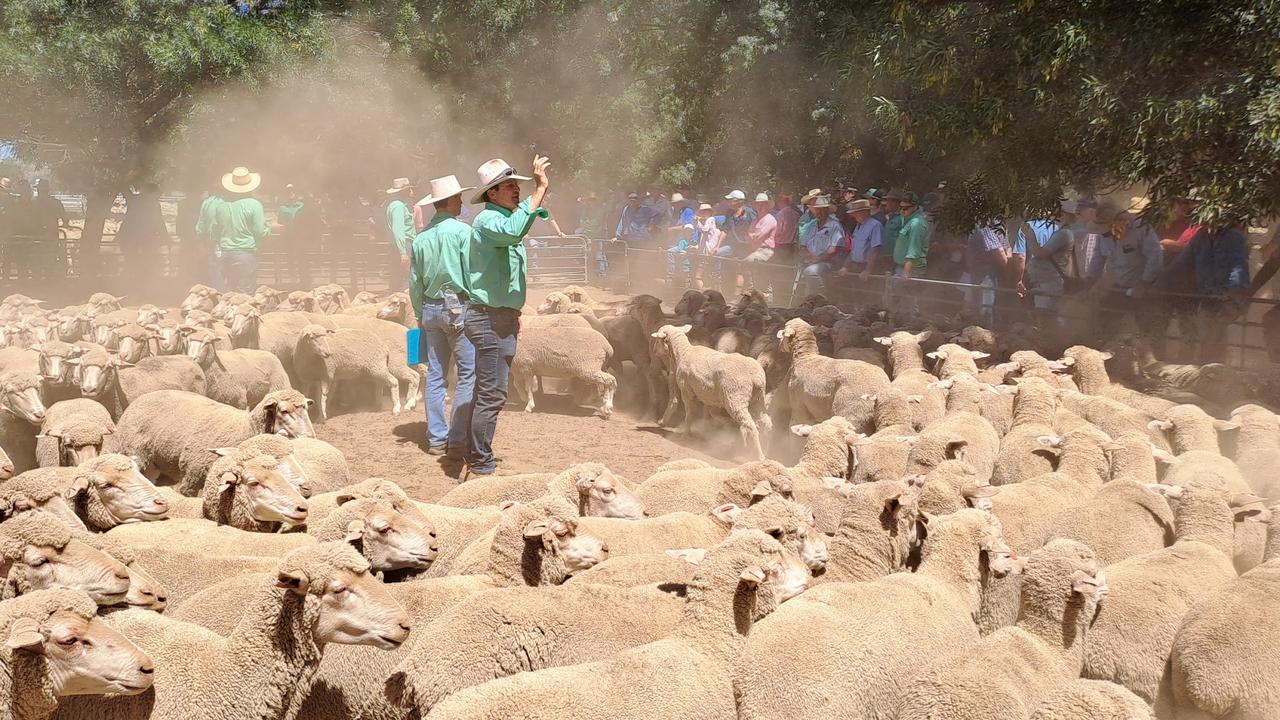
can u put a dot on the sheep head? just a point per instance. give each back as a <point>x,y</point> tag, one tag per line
<point>200,297</point>
<point>266,496</point>
<point>245,319</point>
<point>283,412</point>
<point>355,608</point>
<point>388,539</point>
<point>116,492</point>
<point>602,494</point>
<point>20,396</point>
<point>39,552</point>
<point>396,307</point>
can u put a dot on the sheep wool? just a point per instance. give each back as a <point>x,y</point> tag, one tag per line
<point>1093,700</point>
<point>818,387</point>
<point>26,692</point>
<point>959,436</point>
<point>1021,456</point>
<point>876,532</point>
<point>694,489</point>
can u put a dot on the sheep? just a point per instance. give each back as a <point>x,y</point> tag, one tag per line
<point>959,436</point>
<point>1088,368</point>
<point>244,490</point>
<point>276,332</point>
<point>591,486</point>
<point>227,305</point>
<point>1111,416</point>
<point>323,357</point>
<point>686,675</point>
<point>670,570</point>
<point>185,573</point>
<point>825,465</point>
<point>200,297</point>
<point>170,432</point>
<point>1130,639</point>
<point>954,360</point>
<point>209,537</point>
<point>951,487</point>
<point>883,456</point>
<point>1092,700</point>
<point>690,489</point>
<point>331,299</point>
<point>798,659</point>
<point>6,465</point>
<point>298,300</point>
<point>239,378</point>
<point>105,322</point>
<point>318,595</point>
<point>876,532</point>
<point>393,543</point>
<point>563,352</point>
<point>310,465</point>
<point>443,519</point>
<point>818,387</point>
<point>1258,455</point>
<point>494,489</point>
<point>54,647</point>
<point>57,375</point>
<point>710,379</point>
<point>393,336</point>
<point>21,413</point>
<point>41,552</point>
<point>1225,658</point>
<point>72,432</point>
<point>115,384</point>
<point>132,341</point>
<point>107,491</point>
<point>268,298</point>
<point>1021,456</point>
<point>1010,672</point>
<point>906,360</point>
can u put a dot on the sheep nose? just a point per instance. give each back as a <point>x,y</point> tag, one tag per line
<point>38,414</point>
<point>405,627</point>
<point>122,573</point>
<point>146,668</point>
<point>160,503</point>
<point>302,509</point>
<point>604,547</point>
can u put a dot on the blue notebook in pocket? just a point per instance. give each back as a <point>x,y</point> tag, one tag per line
<point>413,338</point>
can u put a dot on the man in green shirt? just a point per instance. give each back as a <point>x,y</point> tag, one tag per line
<point>401,228</point>
<point>437,283</point>
<point>239,225</point>
<point>891,206</point>
<point>496,287</point>
<point>911,250</point>
<point>204,233</point>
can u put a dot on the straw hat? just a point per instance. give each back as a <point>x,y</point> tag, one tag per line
<point>811,196</point>
<point>399,185</point>
<point>705,207</point>
<point>241,180</point>
<point>859,205</point>
<point>677,198</point>
<point>442,188</point>
<point>492,173</point>
<point>822,201</point>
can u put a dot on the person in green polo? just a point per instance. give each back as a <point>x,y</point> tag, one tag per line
<point>891,205</point>
<point>239,225</point>
<point>911,251</point>
<point>438,280</point>
<point>401,228</point>
<point>496,288</point>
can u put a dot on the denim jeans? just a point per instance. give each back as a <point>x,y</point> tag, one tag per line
<point>492,331</point>
<point>240,270</point>
<point>444,339</point>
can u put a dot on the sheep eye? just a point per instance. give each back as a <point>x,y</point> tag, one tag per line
<point>254,483</point>
<point>385,530</point>
<point>69,641</point>
<point>339,590</point>
<point>608,491</point>
<point>38,562</point>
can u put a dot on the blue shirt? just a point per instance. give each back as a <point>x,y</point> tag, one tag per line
<point>634,224</point>
<point>1221,261</point>
<point>865,237</point>
<point>1043,230</point>
<point>685,235</point>
<point>817,240</point>
<point>736,226</point>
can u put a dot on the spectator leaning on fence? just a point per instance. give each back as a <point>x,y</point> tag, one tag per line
<point>986,253</point>
<point>864,245</point>
<point>401,228</point>
<point>438,277</point>
<point>891,207</point>
<point>762,235</point>
<point>1220,257</point>
<point>239,225</point>
<point>496,285</point>
<point>737,224</point>
<point>911,249</point>
<point>786,236</point>
<point>822,242</point>
<point>1049,249</point>
<point>1130,258</point>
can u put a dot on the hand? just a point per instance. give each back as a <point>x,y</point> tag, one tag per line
<point>1022,289</point>
<point>541,164</point>
<point>864,275</point>
<point>404,261</point>
<point>843,272</point>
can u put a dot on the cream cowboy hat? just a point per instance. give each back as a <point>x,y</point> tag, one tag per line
<point>399,185</point>
<point>822,201</point>
<point>241,180</point>
<point>442,188</point>
<point>492,173</point>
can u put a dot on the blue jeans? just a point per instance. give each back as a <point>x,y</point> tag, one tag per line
<point>442,330</point>
<point>240,270</point>
<point>492,331</point>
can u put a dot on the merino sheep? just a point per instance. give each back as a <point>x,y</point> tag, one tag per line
<point>276,332</point>
<point>686,675</point>
<point>876,532</point>
<point>959,436</point>
<point>1258,456</point>
<point>41,552</point>
<point>1089,369</point>
<point>818,387</point>
<point>695,489</point>
<point>906,360</point>
<point>200,297</point>
<point>170,432</point>
<point>393,336</point>
<point>21,413</point>
<point>239,378</point>
<point>1010,672</point>
<point>591,486</point>
<point>116,384</point>
<point>109,490</point>
<point>54,647</point>
<point>563,352</point>
<point>319,595</point>
<point>1092,700</point>
<point>73,432</point>
<point>394,543</point>
<point>323,357</point>
<point>1022,456</point>
<point>883,456</point>
<point>208,537</point>
<point>245,491</point>
<point>707,379</point>
<point>40,489</point>
<point>331,298</point>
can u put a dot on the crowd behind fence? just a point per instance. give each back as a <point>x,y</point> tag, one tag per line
<point>360,261</point>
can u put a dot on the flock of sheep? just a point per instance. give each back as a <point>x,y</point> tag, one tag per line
<point>972,530</point>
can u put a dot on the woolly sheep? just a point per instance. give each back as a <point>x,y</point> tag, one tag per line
<point>1021,456</point>
<point>110,490</point>
<point>1258,455</point>
<point>115,384</point>
<point>825,464</point>
<point>239,378</point>
<point>689,674</point>
<point>244,490</point>
<point>208,536</point>
<point>21,413</point>
<point>1111,416</point>
<point>41,552</point>
<point>1131,636</point>
<point>684,489</point>
<point>959,436</point>
<point>798,659</point>
<point>54,647</point>
<point>40,489</point>
<point>392,335</point>
<point>185,573</point>
<point>591,486</point>
<point>954,360</point>
<point>876,532</point>
<point>318,595</point>
<point>132,341</point>
<point>494,489</point>
<point>563,352</point>
<point>883,456</point>
<point>670,570</point>
<point>331,298</point>
<point>72,432</point>
<point>538,543</point>
<point>1088,368</point>
<point>392,542</point>
<point>171,432</point>
<point>818,387</point>
<point>200,297</point>
<point>276,332</point>
<point>1092,700</point>
<point>953,486</point>
<point>324,357</point>
<point>1010,672</point>
<point>310,465</point>
<point>906,361</point>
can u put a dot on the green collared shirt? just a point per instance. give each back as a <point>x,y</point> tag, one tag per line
<point>498,259</point>
<point>439,259</point>
<point>208,214</point>
<point>889,236</point>
<point>400,223</point>
<point>913,241</point>
<point>240,224</point>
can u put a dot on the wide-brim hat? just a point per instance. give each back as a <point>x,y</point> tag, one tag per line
<point>490,174</point>
<point>677,198</point>
<point>399,185</point>
<point>443,189</point>
<point>811,195</point>
<point>893,195</point>
<point>859,205</point>
<point>705,207</point>
<point>240,180</point>
<point>822,201</point>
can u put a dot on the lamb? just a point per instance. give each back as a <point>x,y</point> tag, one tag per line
<point>41,552</point>
<point>876,532</point>
<point>267,297</point>
<point>1258,455</point>
<point>298,300</point>
<point>1088,367</point>
<point>239,378</point>
<point>1131,637</point>
<point>1226,655</point>
<point>629,340</point>
<point>959,436</point>
<point>105,322</point>
<point>21,413</point>
<point>115,384</point>
<point>55,647</point>
<point>393,336</point>
<point>393,543</point>
<point>331,299</point>
<point>1010,672</point>
<point>798,659</point>
<point>57,374</point>
<point>563,352</point>
<point>1021,456</point>
<point>170,432</point>
<point>818,387</point>
<point>245,491</point>
<point>319,595</point>
<point>689,489</point>
<point>323,357</point>
<point>107,491</point>
<point>73,432</point>
<point>710,379</point>
<point>1092,700</point>
<point>200,297</point>
<point>686,675</point>
<point>591,486</point>
<point>906,360</point>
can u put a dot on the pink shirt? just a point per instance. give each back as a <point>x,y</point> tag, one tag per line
<point>763,231</point>
<point>788,223</point>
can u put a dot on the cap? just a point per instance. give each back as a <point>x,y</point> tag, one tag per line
<point>633,196</point>
<point>736,195</point>
<point>762,197</point>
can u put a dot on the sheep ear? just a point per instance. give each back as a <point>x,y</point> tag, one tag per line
<point>685,328</point>
<point>222,451</point>
<point>726,513</point>
<point>942,384</point>
<point>1225,425</point>
<point>908,439</point>
<point>1169,491</point>
<point>78,485</point>
<point>1107,354</point>
<point>535,529</point>
<point>831,482</point>
<point>956,449</point>
<point>25,634</point>
<point>1163,456</point>
<point>923,335</point>
<point>884,341</point>
<point>344,498</point>
<point>979,491</point>
<point>1089,585</point>
<point>1065,361</point>
<point>936,355</point>
<point>915,399</point>
<point>762,489</point>
<point>226,481</point>
<point>801,430</point>
<point>979,355</point>
<point>693,556</point>
<point>1053,441</point>
<point>355,531</point>
<point>753,575</point>
<point>295,582</point>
